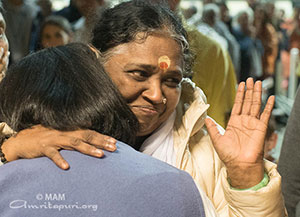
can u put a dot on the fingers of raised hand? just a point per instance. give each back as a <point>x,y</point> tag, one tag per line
<point>247,103</point>
<point>55,156</point>
<point>265,116</point>
<point>238,102</point>
<point>93,138</point>
<point>256,100</point>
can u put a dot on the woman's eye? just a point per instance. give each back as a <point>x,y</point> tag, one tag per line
<point>58,35</point>
<point>46,36</point>
<point>139,74</point>
<point>173,82</point>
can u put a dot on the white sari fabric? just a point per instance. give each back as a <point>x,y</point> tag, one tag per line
<point>160,143</point>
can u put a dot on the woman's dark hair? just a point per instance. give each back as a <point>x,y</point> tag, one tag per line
<point>122,23</point>
<point>65,88</point>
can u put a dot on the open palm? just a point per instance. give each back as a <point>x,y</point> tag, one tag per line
<point>242,145</point>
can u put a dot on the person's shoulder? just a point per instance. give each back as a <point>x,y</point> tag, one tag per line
<point>141,161</point>
<point>124,158</point>
<point>125,177</point>
<point>195,36</point>
<point>170,187</point>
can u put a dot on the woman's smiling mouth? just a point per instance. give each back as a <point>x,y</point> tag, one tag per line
<point>147,110</point>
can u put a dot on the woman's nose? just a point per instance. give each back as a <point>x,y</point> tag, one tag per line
<point>153,92</point>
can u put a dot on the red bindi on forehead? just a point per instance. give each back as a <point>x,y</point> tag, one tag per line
<point>163,65</point>
<point>164,62</point>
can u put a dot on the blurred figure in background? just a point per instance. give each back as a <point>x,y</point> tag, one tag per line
<point>45,10</point>
<point>189,12</point>
<point>70,12</point>
<point>55,31</point>
<point>251,48</point>
<point>224,15</point>
<point>89,9</point>
<point>45,7</point>
<point>271,140</point>
<point>19,15</point>
<point>208,2</point>
<point>213,71</point>
<point>223,30</point>
<point>270,9</point>
<point>211,23</point>
<point>293,41</point>
<point>268,36</point>
<point>253,3</point>
<point>207,23</point>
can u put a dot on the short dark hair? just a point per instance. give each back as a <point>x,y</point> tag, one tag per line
<point>121,24</point>
<point>65,88</point>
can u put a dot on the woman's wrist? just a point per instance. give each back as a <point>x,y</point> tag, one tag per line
<point>8,151</point>
<point>264,182</point>
<point>2,155</point>
<point>244,177</point>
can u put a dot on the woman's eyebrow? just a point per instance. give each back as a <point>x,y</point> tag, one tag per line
<point>152,68</point>
<point>175,72</point>
<point>147,67</point>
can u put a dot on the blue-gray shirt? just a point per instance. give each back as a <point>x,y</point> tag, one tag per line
<point>123,183</point>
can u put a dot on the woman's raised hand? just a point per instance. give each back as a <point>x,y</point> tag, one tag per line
<point>39,141</point>
<point>241,147</point>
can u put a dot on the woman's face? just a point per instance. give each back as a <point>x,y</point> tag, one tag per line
<point>53,36</point>
<point>146,72</point>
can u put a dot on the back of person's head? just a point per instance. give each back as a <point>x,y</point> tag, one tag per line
<point>65,88</point>
<point>244,18</point>
<point>224,11</point>
<point>260,14</point>
<point>210,14</point>
<point>61,34</point>
<point>122,23</point>
<point>88,7</point>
